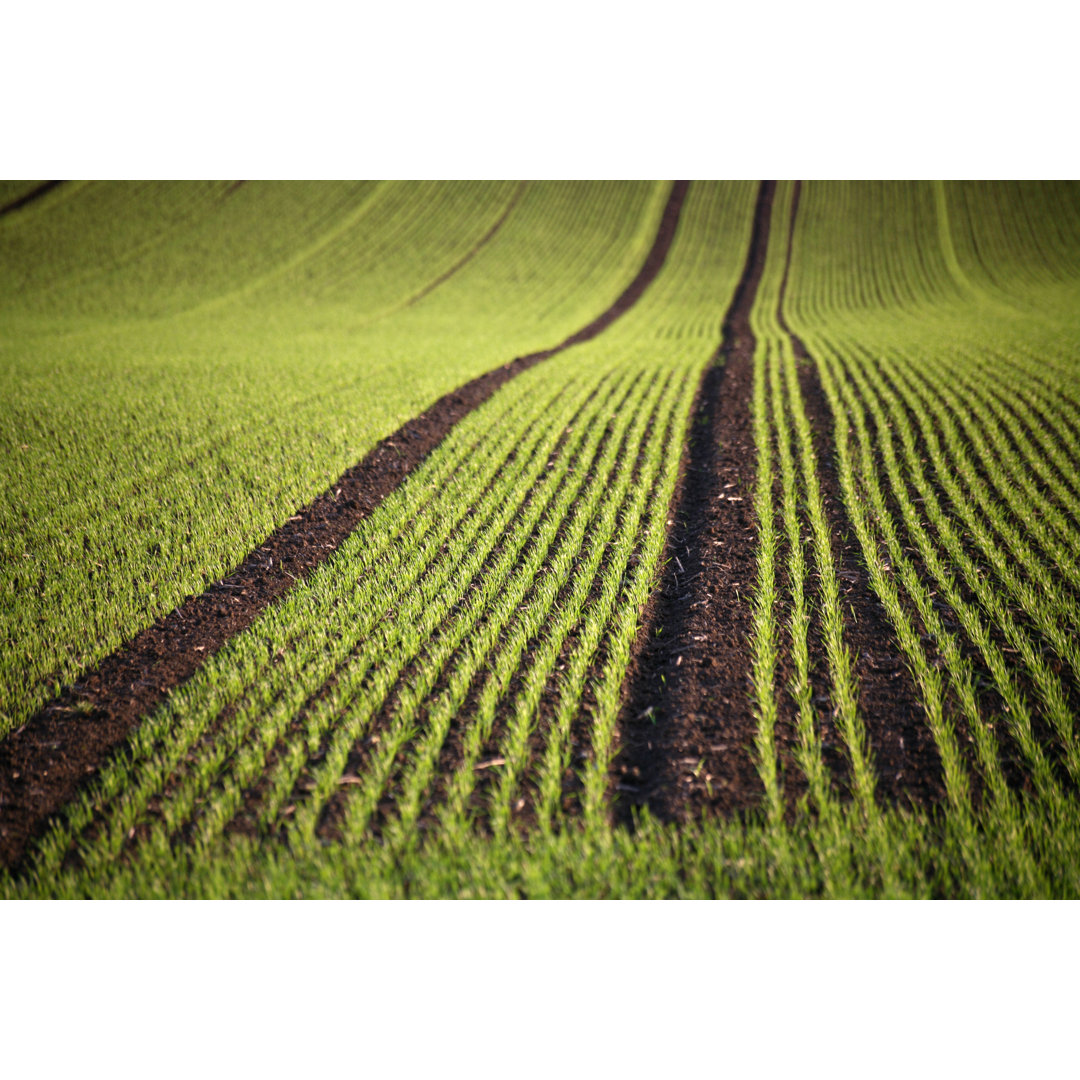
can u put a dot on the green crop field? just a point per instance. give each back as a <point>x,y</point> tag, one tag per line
<point>444,706</point>
<point>184,367</point>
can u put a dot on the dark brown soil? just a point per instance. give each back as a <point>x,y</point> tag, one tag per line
<point>906,759</point>
<point>43,763</point>
<point>1016,772</point>
<point>31,196</point>
<point>686,730</point>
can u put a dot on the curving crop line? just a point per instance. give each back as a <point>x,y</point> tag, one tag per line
<point>906,759</point>
<point>475,250</point>
<point>690,658</point>
<point>43,764</point>
<point>939,435</point>
<point>31,196</point>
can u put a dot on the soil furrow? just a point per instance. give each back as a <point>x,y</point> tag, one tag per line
<point>906,758</point>
<point>686,729</point>
<point>43,763</point>
<point>991,703</point>
<point>474,250</point>
<point>31,196</point>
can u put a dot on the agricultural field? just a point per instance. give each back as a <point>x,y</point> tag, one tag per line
<point>539,539</point>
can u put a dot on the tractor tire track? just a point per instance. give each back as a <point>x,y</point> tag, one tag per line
<point>686,730</point>
<point>907,762</point>
<point>44,763</point>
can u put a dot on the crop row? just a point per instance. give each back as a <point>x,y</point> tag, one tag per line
<point>143,458</point>
<point>944,413</point>
<point>436,707</point>
<point>798,611</point>
<point>458,663</point>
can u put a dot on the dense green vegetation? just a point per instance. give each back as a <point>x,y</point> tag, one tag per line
<point>434,712</point>
<point>538,523</point>
<point>943,325</point>
<point>182,367</point>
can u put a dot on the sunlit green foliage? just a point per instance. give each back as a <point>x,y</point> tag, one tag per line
<point>183,366</point>
<point>517,557</point>
<point>433,713</point>
<point>944,326</point>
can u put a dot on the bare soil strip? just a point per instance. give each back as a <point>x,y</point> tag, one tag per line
<point>686,730</point>
<point>43,763</point>
<point>31,196</point>
<point>906,759</point>
<point>632,293</point>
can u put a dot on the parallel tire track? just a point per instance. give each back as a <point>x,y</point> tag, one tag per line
<point>686,727</point>
<point>906,760</point>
